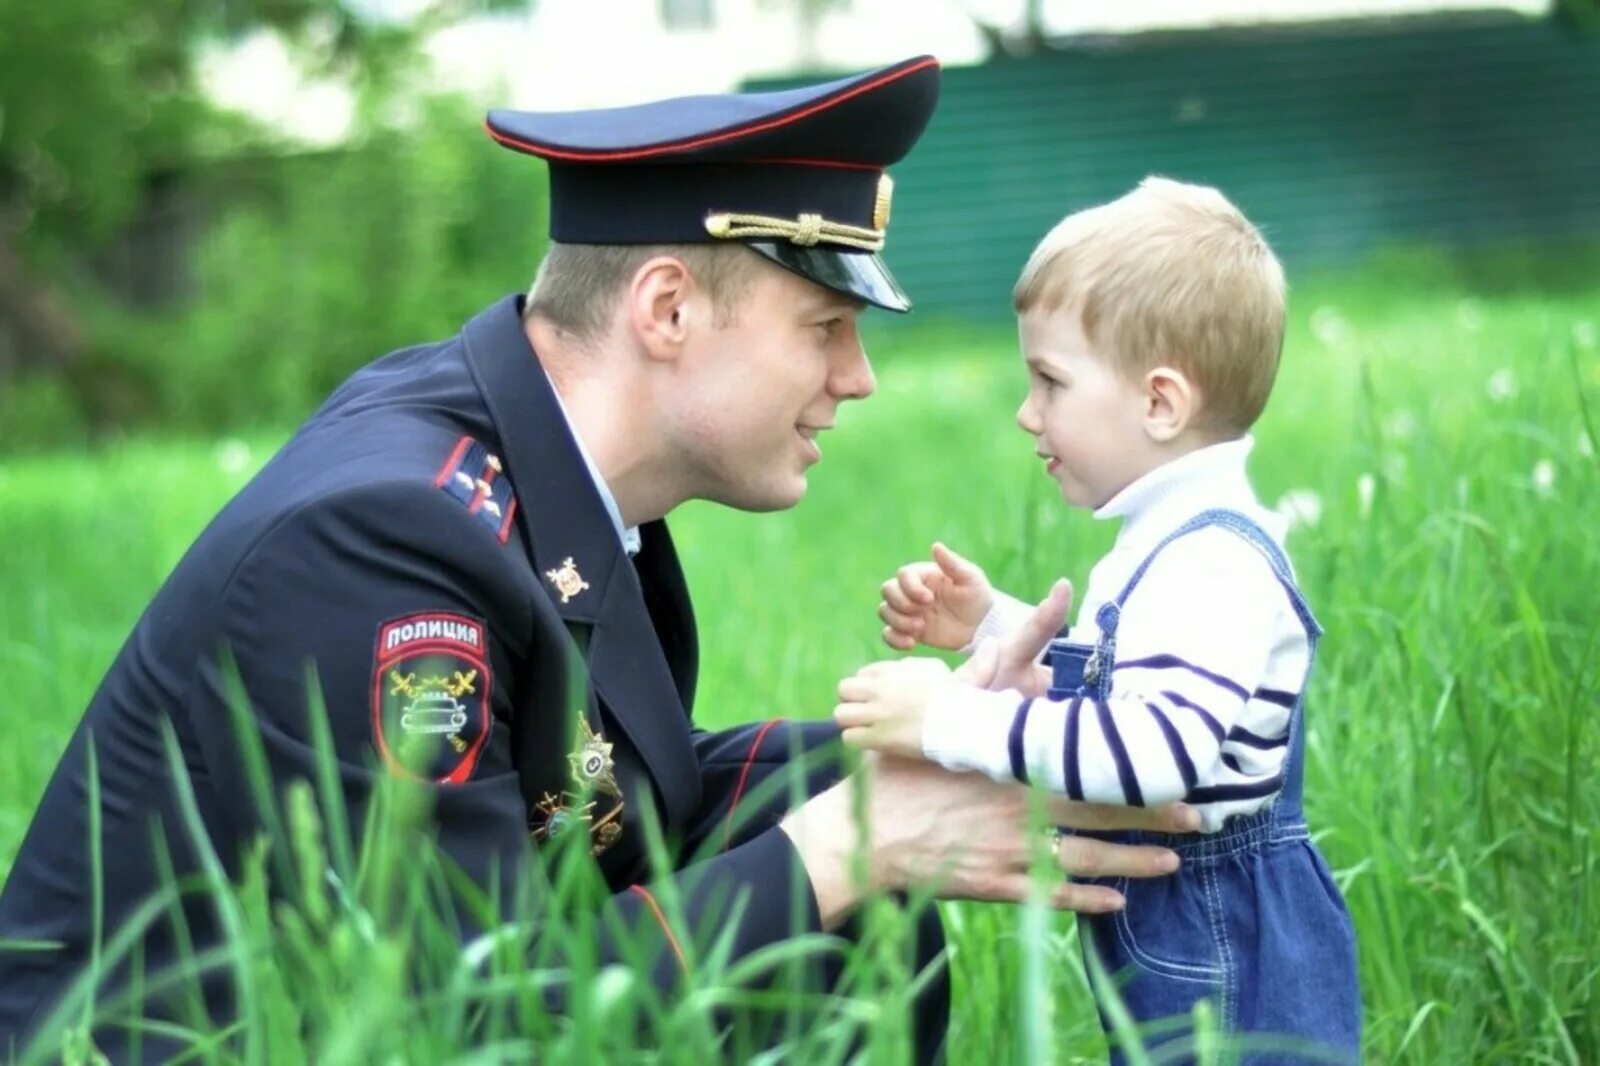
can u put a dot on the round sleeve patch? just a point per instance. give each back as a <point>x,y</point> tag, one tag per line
<point>430,696</point>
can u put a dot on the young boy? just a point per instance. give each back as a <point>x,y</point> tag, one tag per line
<point>1151,328</point>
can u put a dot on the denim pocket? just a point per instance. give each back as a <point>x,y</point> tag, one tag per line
<point>1167,928</point>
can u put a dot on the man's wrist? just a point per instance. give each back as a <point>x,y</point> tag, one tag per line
<point>825,835</point>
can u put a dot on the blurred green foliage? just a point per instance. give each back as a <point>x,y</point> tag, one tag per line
<point>351,255</point>
<point>288,269</point>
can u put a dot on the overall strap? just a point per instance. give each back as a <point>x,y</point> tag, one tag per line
<point>1244,527</point>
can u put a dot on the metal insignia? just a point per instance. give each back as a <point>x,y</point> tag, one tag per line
<point>592,767</point>
<point>567,580</point>
<point>880,209</point>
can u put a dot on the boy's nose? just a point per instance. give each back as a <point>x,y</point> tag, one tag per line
<point>1027,420</point>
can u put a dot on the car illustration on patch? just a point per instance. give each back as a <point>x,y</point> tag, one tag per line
<point>432,713</point>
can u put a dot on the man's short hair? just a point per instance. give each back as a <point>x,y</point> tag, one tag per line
<point>577,285</point>
<point>1170,275</point>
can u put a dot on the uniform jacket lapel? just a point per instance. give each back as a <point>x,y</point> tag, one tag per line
<point>564,519</point>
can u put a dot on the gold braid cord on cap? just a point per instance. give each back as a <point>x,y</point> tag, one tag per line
<point>807,230</point>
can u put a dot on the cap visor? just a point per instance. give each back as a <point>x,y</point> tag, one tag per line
<point>861,275</point>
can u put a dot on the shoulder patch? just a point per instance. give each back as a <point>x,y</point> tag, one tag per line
<point>473,475</point>
<point>430,696</point>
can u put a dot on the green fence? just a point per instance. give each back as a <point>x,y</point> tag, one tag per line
<point>1337,139</point>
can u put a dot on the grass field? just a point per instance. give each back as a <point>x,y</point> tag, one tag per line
<point>1436,445</point>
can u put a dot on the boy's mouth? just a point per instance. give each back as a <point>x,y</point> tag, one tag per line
<point>1051,463</point>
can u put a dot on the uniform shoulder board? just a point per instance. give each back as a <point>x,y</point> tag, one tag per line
<point>473,475</point>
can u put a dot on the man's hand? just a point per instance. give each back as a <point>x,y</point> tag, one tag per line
<point>1014,661</point>
<point>965,836</point>
<point>938,603</point>
<point>882,707</point>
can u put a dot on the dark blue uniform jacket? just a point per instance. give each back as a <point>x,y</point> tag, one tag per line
<point>431,548</point>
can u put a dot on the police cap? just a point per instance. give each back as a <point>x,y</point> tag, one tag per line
<point>796,175</point>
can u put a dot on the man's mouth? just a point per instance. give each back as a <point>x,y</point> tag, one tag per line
<point>808,439</point>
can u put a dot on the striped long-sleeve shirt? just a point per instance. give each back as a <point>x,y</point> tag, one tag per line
<point>1210,658</point>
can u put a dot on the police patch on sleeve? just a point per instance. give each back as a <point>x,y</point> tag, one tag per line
<point>430,696</point>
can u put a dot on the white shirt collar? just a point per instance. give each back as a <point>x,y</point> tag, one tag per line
<point>1172,493</point>
<point>629,536</point>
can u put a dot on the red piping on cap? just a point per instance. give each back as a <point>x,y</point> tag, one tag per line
<point>534,148</point>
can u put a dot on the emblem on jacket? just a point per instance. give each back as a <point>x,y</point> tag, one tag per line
<point>430,696</point>
<point>590,761</point>
<point>567,580</point>
<point>593,773</point>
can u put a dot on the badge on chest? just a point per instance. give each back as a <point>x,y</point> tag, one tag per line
<point>591,773</point>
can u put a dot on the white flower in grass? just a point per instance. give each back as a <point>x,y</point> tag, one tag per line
<point>1544,477</point>
<point>1329,327</point>
<point>1400,425</point>
<point>232,455</point>
<point>1502,385</point>
<point>1469,315</point>
<point>1366,489</point>
<point>1585,444</point>
<point>1584,333</point>
<point>1300,507</point>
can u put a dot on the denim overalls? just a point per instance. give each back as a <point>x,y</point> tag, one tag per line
<point>1252,920</point>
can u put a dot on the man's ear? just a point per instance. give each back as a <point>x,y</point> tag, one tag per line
<point>658,306</point>
<point>1170,400</point>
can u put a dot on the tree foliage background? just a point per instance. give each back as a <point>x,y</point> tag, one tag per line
<point>292,268</point>
<point>167,264</point>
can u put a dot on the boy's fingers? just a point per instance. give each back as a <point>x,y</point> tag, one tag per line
<point>1043,624</point>
<point>856,689</point>
<point>905,623</point>
<point>897,640</point>
<point>954,566</point>
<point>853,715</point>
<point>856,737</point>
<point>897,597</point>
<point>913,581</point>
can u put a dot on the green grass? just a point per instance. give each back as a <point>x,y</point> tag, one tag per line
<point>1453,734</point>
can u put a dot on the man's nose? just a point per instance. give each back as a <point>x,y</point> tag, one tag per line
<point>852,378</point>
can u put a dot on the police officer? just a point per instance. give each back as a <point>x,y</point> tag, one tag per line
<point>461,522</point>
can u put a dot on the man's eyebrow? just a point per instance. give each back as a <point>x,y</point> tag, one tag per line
<point>836,301</point>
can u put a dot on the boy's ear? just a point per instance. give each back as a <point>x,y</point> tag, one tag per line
<point>658,306</point>
<point>1170,401</point>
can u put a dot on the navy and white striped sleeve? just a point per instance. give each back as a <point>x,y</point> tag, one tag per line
<point>1192,654</point>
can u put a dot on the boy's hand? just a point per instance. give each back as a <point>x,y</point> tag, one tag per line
<point>883,705</point>
<point>1013,662</point>
<point>939,604</point>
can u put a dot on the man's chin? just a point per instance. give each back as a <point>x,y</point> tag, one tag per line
<point>761,499</point>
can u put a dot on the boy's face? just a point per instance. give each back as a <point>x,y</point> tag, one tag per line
<point>1086,419</point>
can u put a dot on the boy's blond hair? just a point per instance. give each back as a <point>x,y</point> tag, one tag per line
<point>577,285</point>
<point>1170,275</point>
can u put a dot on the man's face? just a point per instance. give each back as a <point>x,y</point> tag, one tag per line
<point>1084,416</point>
<point>757,390</point>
